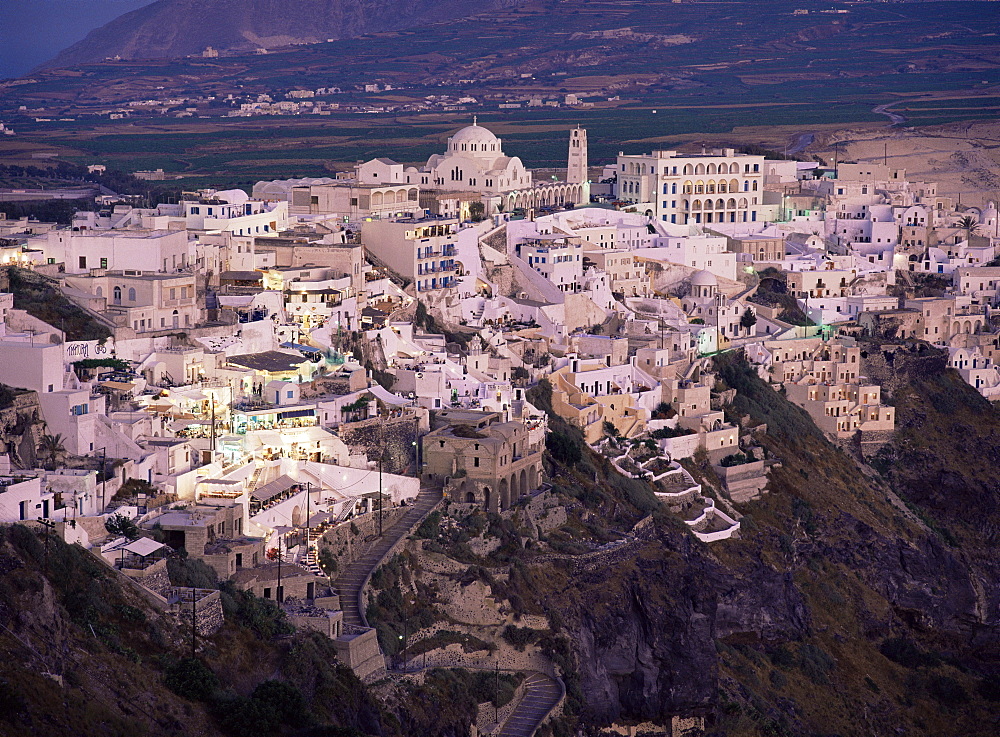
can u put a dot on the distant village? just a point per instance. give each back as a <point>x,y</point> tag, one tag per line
<point>274,373</point>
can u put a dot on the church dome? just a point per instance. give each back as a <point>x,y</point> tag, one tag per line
<point>474,132</point>
<point>474,140</point>
<point>704,279</point>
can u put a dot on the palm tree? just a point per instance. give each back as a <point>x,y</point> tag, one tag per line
<point>969,224</point>
<point>51,448</point>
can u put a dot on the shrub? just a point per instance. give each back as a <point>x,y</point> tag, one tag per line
<point>191,572</point>
<point>121,526</point>
<point>563,448</point>
<point>519,637</point>
<point>989,688</point>
<point>430,528</point>
<point>191,679</point>
<point>667,432</point>
<point>906,653</point>
<point>282,700</point>
<point>947,690</point>
<point>734,459</point>
<point>327,561</point>
<point>815,663</point>
<point>263,616</point>
<point>11,701</point>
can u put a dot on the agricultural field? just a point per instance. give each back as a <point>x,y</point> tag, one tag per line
<point>653,73</point>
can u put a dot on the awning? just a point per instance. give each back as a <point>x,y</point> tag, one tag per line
<point>386,396</point>
<point>271,490</point>
<point>267,438</point>
<point>119,385</point>
<point>143,546</point>
<point>296,413</point>
<point>300,347</point>
<point>310,434</point>
<point>192,395</point>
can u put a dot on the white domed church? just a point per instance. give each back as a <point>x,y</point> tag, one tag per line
<point>474,161</point>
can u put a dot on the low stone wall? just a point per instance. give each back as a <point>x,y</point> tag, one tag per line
<point>358,649</point>
<point>328,623</point>
<point>490,720</point>
<point>397,547</point>
<point>348,546</point>
<point>207,610</point>
<point>396,435</point>
<point>744,482</point>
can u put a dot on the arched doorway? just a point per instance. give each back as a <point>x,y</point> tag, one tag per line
<point>523,484</point>
<point>504,495</point>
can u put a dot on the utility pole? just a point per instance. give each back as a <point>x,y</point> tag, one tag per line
<point>405,631</point>
<point>496,702</point>
<point>104,461</point>
<point>277,593</point>
<point>48,525</point>
<point>194,623</point>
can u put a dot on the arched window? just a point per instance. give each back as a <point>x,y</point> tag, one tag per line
<point>696,205</point>
<point>673,188</point>
<point>708,204</point>
<point>711,169</point>
<point>719,204</point>
<point>688,187</point>
<point>731,204</point>
<point>117,295</point>
<point>754,185</point>
<point>722,187</point>
<point>746,186</point>
<point>711,186</point>
<point>743,202</point>
<point>131,294</point>
<point>734,168</point>
<point>688,169</point>
<point>100,292</point>
<point>734,186</point>
<point>699,169</point>
<point>699,187</point>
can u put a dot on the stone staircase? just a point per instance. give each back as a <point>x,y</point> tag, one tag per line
<point>542,695</point>
<point>353,578</point>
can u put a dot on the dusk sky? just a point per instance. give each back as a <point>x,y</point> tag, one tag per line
<point>33,31</point>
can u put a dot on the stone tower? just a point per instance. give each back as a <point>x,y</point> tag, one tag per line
<point>576,165</point>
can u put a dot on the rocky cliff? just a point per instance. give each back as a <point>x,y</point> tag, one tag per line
<point>176,28</point>
<point>857,601</point>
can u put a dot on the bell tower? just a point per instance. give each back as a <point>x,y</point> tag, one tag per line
<point>576,164</point>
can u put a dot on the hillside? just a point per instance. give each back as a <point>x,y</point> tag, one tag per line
<point>855,602</point>
<point>859,599</point>
<point>87,656</point>
<point>177,28</point>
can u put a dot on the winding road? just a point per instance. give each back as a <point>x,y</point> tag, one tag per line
<point>894,118</point>
<point>803,141</point>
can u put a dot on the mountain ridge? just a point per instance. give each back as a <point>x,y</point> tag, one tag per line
<point>178,28</point>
